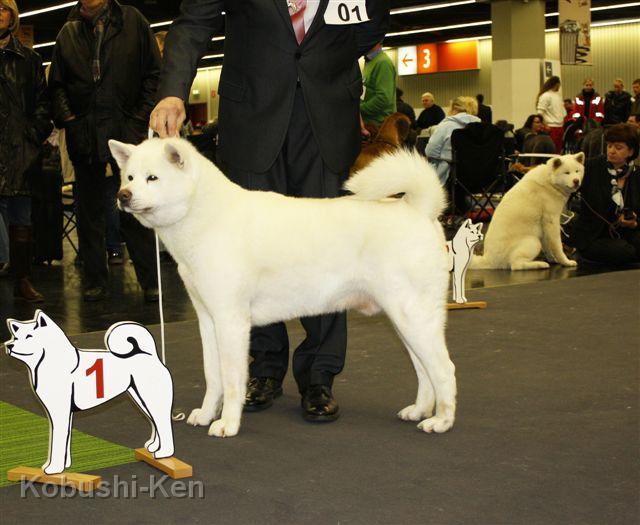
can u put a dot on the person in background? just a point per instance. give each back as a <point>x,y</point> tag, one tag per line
<point>551,107</point>
<point>104,74</point>
<point>484,112</point>
<point>532,138</point>
<point>534,125</point>
<point>568,106</point>
<point>438,151</point>
<point>635,100</point>
<point>588,104</point>
<point>405,108</point>
<point>634,121</point>
<point>25,113</point>
<point>606,230</point>
<point>379,77</point>
<point>307,152</point>
<point>617,104</point>
<point>431,115</point>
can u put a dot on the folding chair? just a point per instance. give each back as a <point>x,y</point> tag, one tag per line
<point>478,169</point>
<point>69,214</point>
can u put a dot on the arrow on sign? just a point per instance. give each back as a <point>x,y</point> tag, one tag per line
<point>406,59</point>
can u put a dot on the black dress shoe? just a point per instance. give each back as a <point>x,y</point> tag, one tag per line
<point>151,295</point>
<point>261,391</point>
<point>95,294</point>
<point>319,405</point>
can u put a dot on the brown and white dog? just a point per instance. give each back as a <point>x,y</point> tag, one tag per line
<point>393,131</point>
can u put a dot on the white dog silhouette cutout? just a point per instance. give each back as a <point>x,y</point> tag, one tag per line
<point>460,253</point>
<point>67,379</point>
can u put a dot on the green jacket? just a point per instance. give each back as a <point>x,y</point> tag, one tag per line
<point>380,89</point>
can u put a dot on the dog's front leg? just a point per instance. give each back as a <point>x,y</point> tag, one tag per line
<point>552,241</point>
<point>59,428</point>
<point>213,395</point>
<point>232,330</point>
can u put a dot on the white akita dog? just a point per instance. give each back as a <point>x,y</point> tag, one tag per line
<point>67,379</point>
<point>527,220</point>
<point>254,258</point>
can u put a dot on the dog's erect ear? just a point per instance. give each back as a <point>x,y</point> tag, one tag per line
<point>403,125</point>
<point>173,154</point>
<point>121,152</point>
<point>467,223</point>
<point>478,227</point>
<point>556,163</point>
<point>579,157</point>
<point>13,326</point>
<point>42,319</point>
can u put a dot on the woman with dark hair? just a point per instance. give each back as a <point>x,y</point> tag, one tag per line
<point>532,126</point>
<point>551,106</point>
<point>607,228</point>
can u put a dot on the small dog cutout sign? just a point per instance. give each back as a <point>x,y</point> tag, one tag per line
<point>67,379</point>
<point>460,250</point>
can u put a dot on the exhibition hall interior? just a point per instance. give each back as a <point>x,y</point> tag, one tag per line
<point>238,236</point>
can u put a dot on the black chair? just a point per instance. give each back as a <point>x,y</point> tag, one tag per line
<point>478,169</point>
<point>69,214</point>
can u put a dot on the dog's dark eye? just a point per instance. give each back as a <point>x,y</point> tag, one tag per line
<point>130,177</point>
<point>151,178</point>
<point>28,336</point>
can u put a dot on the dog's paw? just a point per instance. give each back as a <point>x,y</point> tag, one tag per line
<point>436,424</point>
<point>53,468</point>
<point>165,452</point>
<point>67,462</point>
<point>570,263</point>
<point>153,444</point>
<point>413,413</point>
<point>199,418</point>
<point>224,428</point>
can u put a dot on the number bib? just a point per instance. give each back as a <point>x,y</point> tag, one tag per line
<point>346,12</point>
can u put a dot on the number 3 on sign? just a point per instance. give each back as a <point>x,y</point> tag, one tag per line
<point>426,55</point>
<point>97,368</point>
<point>346,12</point>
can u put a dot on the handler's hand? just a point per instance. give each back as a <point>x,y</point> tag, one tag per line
<point>167,117</point>
<point>628,223</point>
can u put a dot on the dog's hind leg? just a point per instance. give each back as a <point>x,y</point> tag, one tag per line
<point>523,254</point>
<point>153,443</point>
<point>211,404</point>
<point>232,336</point>
<point>423,327</point>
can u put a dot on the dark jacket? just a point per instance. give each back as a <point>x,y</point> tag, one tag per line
<point>119,104</point>
<point>597,203</point>
<point>485,114</point>
<point>24,113</point>
<point>262,65</point>
<point>406,109</point>
<point>430,117</point>
<point>616,107</point>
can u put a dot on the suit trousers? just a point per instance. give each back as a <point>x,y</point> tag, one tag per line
<point>298,171</point>
<point>92,187</point>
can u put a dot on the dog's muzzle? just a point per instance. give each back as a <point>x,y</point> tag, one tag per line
<point>124,197</point>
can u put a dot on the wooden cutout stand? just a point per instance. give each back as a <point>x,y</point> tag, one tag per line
<point>466,306</point>
<point>83,482</point>
<point>173,467</point>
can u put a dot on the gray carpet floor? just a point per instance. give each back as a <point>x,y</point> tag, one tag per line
<point>546,430</point>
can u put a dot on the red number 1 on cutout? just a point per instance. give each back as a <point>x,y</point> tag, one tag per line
<point>97,368</point>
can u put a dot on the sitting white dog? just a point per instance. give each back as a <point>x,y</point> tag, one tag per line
<point>527,220</point>
<point>254,258</point>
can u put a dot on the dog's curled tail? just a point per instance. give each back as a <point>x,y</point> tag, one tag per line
<point>128,339</point>
<point>400,172</point>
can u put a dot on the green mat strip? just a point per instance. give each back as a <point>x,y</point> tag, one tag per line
<point>24,440</point>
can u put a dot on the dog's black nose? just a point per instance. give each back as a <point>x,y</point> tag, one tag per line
<point>576,182</point>
<point>124,196</point>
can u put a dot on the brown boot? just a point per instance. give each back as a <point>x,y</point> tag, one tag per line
<point>20,253</point>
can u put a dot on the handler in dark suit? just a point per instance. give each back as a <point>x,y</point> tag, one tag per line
<point>288,122</point>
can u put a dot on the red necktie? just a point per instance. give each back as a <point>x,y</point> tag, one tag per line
<point>297,19</point>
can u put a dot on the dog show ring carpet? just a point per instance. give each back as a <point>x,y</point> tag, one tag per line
<point>546,429</point>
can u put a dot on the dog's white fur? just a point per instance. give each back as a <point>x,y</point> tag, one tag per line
<point>528,218</point>
<point>460,250</point>
<point>65,380</point>
<point>253,258</point>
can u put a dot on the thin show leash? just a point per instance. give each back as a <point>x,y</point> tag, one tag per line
<point>179,416</point>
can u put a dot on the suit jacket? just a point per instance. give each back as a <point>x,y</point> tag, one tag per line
<point>596,191</point>
<point>262,66</point>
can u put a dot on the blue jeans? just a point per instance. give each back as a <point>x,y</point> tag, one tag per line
<point>13,210</point>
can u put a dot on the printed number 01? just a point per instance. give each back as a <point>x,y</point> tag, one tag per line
<point>345,16</point>
<point>97,368</point>
<point>427,58</point>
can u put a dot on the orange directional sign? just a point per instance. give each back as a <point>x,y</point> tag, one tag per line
<point>438,58</point>
<point>407,60</point>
